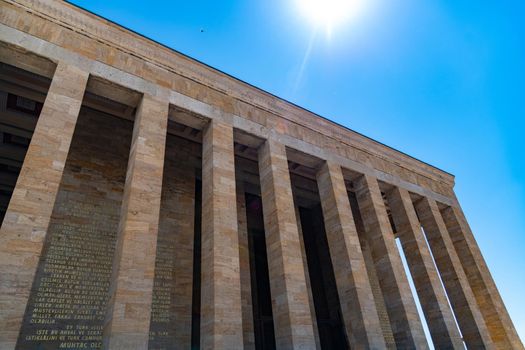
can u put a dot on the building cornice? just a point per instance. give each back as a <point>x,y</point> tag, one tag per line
<point>131,43</point>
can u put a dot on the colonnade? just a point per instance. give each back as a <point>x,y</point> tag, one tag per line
<point>435,237</point>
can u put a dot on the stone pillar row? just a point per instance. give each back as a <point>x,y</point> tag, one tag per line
<point>468,315</point>
<point>445,334</point>
<point>431,240</point>
<point>493,311</point>
<point>401,308</point>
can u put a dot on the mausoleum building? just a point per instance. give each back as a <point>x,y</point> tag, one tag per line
<point>149,201</point>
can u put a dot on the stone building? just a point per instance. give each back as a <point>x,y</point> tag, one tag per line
<point>149,201</point>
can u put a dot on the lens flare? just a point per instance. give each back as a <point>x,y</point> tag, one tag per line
<point>329,13</point>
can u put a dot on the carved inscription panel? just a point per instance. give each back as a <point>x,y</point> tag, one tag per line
<point>171,314</point>
<point>67,305</point>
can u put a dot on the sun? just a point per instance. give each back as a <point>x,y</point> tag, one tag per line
<point>329,13</point>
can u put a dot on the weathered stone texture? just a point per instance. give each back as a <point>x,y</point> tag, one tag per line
<point>26,222</point>
<point>438,314</point>
<point>291,311</point>
<point>357,302</point>
<point>221,320</point>
<point>129,313</point>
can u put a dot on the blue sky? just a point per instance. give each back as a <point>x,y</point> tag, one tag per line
<point>440,80</point>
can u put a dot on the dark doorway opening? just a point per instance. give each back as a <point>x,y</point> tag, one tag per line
<point>260,279</point>
<point>330,324</point>
<point>21,101</point>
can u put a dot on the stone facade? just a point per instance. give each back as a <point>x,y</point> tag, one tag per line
<point>152,202</point>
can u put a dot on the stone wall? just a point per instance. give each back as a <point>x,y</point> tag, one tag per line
<point>69,296</point>
<point>171,317</point>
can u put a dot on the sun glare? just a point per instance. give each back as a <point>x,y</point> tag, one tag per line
<point>329,13</point>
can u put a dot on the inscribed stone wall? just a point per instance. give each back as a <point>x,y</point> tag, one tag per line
<point>67,305</point>
<point>170,326</point>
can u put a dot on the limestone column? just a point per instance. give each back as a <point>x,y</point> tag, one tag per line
<point>27,218</point>
<point>244,262</point>
<point>355,294</point>
<point>440,319</point>
<point>291,310</point>
<point>470,320</point>
<point>221,313</point>
<point>400,304</point>
<point>129,311</point>
<point>492,308</point>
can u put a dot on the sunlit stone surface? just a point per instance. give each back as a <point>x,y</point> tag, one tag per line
<point>150,202</point>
